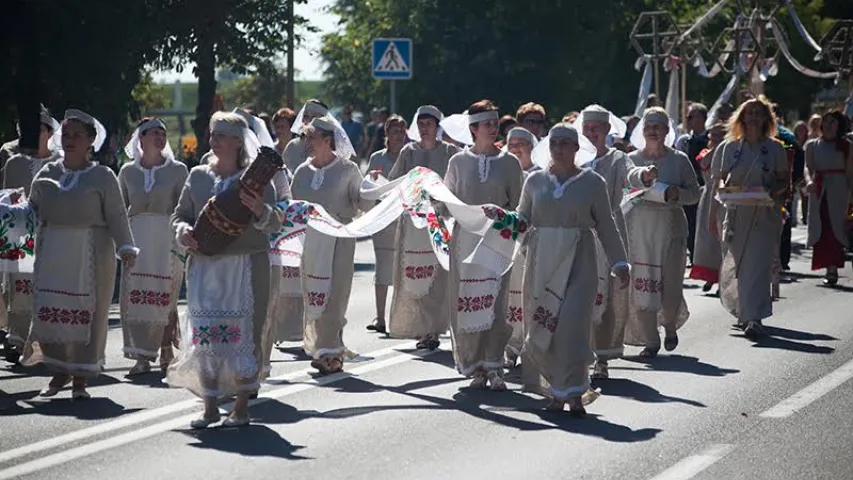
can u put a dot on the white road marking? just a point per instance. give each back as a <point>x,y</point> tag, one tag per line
<point>149,415</point>
<point>806,396</point>
<point>695,464</point>
<point>71,454</point>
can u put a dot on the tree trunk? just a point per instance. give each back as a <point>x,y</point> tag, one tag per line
<point>27,76</point>
<point>206,74</point>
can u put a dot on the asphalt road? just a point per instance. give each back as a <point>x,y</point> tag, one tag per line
<point>719,407</point>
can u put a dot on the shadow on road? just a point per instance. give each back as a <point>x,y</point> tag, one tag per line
<point>250,441</point>
<point>626,388</point>
<point>95,408</point>
<point>680,363</point>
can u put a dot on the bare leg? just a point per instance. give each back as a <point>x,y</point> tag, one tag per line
<point>381,292</point>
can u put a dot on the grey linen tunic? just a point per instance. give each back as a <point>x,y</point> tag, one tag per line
<point>481,351</point>
<point>411,316</point>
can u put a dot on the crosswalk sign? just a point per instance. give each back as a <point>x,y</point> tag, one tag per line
<point>392,58</point>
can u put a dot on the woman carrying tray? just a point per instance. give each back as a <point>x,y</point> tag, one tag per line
<point>829,181</point>
<point>227,293</point>
<point>751,162</point>
<point>657,235</point>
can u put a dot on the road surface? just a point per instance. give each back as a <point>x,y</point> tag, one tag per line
<point>719,407</point>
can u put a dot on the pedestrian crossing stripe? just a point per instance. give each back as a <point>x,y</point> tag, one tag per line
<point>391,60</point>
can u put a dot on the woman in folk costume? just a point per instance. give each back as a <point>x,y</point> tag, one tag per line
<point>751,158</point>
<point>227,294</point>
<point>519,142</point>
<point>657,234</point>
<point>330,179</point>
<point>151,186</point>
<point>480,175</point>
<point>296,152</point>
<point>19,172</point>
<point>569,211</point>
<point>420,305</point>
<point>829,170</point>
<point>707,253</point>
<point>598,124</point>
<point>282,122</point>
<point>80,209</point>
<point>384,242</point>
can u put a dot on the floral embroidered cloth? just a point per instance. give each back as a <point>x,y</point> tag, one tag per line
<point>17,233</point>
<point>417,194</point>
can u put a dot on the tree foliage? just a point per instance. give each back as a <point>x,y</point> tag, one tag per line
<point>149,95</point>
<point>564,54</point>
<point>243,36</point>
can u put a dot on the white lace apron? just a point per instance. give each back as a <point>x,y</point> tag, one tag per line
<point>64,301</point>
<point>217,356</point>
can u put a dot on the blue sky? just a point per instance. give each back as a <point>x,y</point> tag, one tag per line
<point>308,64</point>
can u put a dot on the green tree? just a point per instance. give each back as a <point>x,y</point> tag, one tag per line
<point>67,53</point>
<point>244,36</point>
<point>149,95</point>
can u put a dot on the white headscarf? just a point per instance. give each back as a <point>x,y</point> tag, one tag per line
<point>639,141</point>
<point>413,133</point>
<point>542,153</point>
<point>311,107</point>
<point>251,145</point>
<point>257,125</point>
<point>81,116</point>
<point>133,150</point>
<point>618,128</point>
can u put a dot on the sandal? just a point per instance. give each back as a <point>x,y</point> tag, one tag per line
<point>753,330</point>
<point>600,372</point>
<point>576,409</point>
<point>334,365</point>
<point>377,326</point>
<point>649,352</point>
<point>57,383</point>
<point>555,406</point>
<point>496,383</point>
<point>205,421</point>
<point>141,367</point>
<point>479,381</point>
<point>233,421</point>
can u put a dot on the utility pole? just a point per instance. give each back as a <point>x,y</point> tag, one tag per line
<point>291,82</point>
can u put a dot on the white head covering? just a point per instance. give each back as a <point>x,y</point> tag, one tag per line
<point>430,110</point>
<point>257,125</point>
<point>456,127</point>
<point>343,145</point>
<point>524,134</point>
<point>219,124</point>
<point>81,116</point>
<point>597,113</point>
<point>133,150</point>
<point>312,107</point>
<point>542,153</point>
<point>653,116</point>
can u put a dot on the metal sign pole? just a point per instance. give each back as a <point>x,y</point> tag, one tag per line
<point>393,102</point>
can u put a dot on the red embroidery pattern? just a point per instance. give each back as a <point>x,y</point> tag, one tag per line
<point>290,272</point>
<point>516,315</point>
<point>24,286</point>
<point>151,275</point>
<point>150,297</point>
<point>64,316</point>
<point>316,299</point>
<point>475,304</point>
<point>419,273</point>
<point>648,285</point>
<point>545,319</point>
<point>599,299</point>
